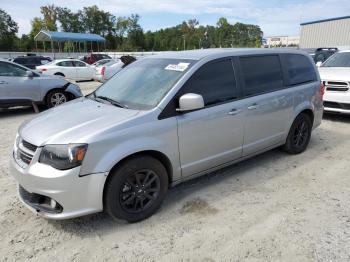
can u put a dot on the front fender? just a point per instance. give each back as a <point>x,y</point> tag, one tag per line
<point>74,90</point>
<point>124,149</point>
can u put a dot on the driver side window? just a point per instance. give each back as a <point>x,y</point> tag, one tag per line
<point>7,69</point>
<point>215,81</point>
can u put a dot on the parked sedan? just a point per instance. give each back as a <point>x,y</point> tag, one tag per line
<point>21,86</point>
<point>68,68</point>
<point>108,70</point>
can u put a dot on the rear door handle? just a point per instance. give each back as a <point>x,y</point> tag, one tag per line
<point>3,82</point>
<point>234,112</point>
<point>253,106</point>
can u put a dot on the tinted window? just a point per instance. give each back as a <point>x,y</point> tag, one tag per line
<point>300,69</point>
<point>79,64</point>
<point>214,81</point>
<point>7,69</point>
<point>66,63</point>
<point>261,74</point>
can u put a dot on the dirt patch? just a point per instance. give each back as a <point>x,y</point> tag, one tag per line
<point>198,206</point>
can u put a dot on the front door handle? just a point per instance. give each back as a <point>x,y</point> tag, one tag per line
<point>253,106</point>
<point>234,112</point>
<point>3,83</point>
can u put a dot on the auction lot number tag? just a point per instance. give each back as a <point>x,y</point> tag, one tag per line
<point>177,67</point>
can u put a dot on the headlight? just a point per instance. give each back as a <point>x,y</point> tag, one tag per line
<point>63,157</point>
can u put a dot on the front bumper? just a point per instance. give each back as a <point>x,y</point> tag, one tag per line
<point>77,196</point>
<point>337,102</point>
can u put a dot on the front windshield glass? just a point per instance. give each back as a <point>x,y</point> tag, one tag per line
<point>142,84</point>
<point>338,60</point>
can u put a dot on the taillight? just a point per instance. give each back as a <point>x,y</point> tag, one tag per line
<point>322,89</point>
<point>103,70</point>
<point>43,69</point>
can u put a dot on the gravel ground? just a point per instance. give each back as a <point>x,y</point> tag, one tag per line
<point>274,207</point>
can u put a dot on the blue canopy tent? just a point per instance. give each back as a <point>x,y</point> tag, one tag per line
<point>48,36</point>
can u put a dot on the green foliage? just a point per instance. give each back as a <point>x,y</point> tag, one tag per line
<point>125,33</point>
<point>8,30</point>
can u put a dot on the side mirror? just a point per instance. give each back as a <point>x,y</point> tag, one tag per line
<point>188,102</point>
<point>29,74</point>
<point>319,63</point>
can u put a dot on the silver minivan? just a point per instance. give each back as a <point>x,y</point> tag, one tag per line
<point>162,120</point>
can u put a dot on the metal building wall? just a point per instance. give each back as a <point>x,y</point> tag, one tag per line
<point>333,33</point>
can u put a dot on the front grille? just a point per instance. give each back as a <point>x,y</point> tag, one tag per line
<point>336,105</point>
<point>336,86</point>
<point>25,157</point>
<point>29,146</point>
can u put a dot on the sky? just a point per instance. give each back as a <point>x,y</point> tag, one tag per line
<point>276,18</point>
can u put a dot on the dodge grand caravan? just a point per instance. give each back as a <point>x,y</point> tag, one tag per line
<point>160,121</point>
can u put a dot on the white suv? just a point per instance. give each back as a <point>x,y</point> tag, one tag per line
<point>335,74</point>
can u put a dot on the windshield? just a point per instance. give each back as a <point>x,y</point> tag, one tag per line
<point>142,84</point>
<point>338,60</point>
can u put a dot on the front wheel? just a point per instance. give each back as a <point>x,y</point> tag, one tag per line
<point>55,98</point>
<point>136,189</point>
<point>299,135</point>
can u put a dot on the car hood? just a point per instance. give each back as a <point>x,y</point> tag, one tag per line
<point>335,73</point>
<point>73,122</point>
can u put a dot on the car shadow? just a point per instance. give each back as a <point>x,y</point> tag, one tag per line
<point>239,177</point>
<point>16,111</point>
<point>337,117</point>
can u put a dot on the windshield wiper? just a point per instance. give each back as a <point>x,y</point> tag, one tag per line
<point>111,101</point>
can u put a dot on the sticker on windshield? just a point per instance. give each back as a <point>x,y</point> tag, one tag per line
<point>177,67</point>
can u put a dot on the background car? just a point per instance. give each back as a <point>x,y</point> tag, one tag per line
<point>68,68</point>
<point>20,86</point>
<point>335,74</point>
<point>322,54</point>
<point>32,61</point>
<point>102,62</point>
<point>108,70</point>
<point>92,58</point>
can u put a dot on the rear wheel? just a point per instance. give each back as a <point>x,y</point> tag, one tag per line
<point>59,74</point>
<point>136,189</point>
<point>55,98</point>
<point>299,135</point>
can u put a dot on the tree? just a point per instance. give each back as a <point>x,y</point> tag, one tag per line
<point>135,33</point>
<point>37,24</point>
<point>70,22</point>
<point>8,30</point>
<point>50,17</point>
<point>120,29</point>
<point>97,21</point>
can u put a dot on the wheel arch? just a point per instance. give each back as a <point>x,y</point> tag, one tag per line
<point>153,153</point>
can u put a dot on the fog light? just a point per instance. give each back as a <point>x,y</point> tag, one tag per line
<point>53,203</point>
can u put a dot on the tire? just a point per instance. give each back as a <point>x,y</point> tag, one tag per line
<point>55,98</point>
<point>59,74</point>
<point>123,196</point>
<point>299,135</point>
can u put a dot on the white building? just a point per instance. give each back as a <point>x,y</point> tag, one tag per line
<point>277,41</point>
<point>334,32</point>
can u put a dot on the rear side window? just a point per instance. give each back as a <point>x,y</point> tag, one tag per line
<point>79,64</point>
<point>300,69</point>
<point>7,69</point>
<point>261,74</point>
<point>215,81</point>
<point>66,64</point>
